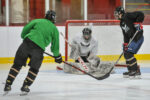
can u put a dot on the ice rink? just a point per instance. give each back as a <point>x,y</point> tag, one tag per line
<point>57,85</point>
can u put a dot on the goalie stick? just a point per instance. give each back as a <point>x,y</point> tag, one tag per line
<point>98,78</point>
<point>79,58</point>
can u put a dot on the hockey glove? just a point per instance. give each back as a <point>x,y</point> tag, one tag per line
<point>125,46</point>
<point>58,59</point>
<point>138,26</point>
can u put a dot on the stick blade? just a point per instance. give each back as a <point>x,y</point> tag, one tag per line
<point>104,76</point>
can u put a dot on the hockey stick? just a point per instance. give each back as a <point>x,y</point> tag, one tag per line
<point>123,51</point>
<point>98,78</point>
<point>79,58</point>
<point>127,46</point>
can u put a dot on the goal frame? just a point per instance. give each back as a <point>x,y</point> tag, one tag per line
<point>81,21</point>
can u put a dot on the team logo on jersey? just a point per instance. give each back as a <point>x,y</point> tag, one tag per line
<point>125,27</point>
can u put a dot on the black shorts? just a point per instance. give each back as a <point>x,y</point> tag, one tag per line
<point>29,49</point>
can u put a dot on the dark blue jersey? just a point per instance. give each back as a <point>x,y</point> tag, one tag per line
<point>127,25</point>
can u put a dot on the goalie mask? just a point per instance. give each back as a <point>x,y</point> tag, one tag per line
<point>51,15</point>
<point>118,11</point>
<point>87,33</point>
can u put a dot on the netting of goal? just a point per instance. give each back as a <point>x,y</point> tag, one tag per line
<point>107,32</point>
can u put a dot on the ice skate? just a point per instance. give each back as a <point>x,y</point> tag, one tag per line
<point>25,90</point>
<point>126,74</point>
<point>135,75</point>
<point>7,89</point>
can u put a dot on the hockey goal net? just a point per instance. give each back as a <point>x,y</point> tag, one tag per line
<point>107,32</point>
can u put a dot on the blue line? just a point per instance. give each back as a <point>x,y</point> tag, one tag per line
<point>121,70</point>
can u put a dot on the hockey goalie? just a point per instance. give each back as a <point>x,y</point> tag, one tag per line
<point>85,47</point>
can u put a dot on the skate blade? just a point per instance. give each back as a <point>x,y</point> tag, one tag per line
<point>5,93</point>
<point>125,76</point>
<point>24,93</point>
<point>135,77</point>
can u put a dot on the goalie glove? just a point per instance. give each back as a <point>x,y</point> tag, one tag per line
<point>138,26</point>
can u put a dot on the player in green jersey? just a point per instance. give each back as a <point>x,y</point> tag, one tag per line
<point>36,35</point>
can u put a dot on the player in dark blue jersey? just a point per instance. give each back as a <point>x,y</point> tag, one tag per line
<point>130,23</point>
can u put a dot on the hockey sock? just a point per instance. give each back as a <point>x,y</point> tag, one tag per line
<point>132,64</point>
<point>30,77</point>
<point>131,61</point>
<point>12,74</point>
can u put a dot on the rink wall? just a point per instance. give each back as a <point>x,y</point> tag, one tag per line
<point>10,40</point>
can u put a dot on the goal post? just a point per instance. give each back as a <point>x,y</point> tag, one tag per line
<point>107,32</point>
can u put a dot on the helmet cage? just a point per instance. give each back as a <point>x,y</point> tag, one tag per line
<point>87,33</point>
<point>118,11</point>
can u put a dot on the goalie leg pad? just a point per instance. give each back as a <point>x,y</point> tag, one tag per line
<point>101,70</point>
<point>94,61</point>
<point>105,67</point>
<point>69,69</point>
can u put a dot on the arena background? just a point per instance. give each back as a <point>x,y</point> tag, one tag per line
<point>14,14</point>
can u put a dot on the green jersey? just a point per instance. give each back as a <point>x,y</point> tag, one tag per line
<point>42,32</point>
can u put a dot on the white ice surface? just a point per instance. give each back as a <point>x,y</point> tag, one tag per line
<point>57,85</point>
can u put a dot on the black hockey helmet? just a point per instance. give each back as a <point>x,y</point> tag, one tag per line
<point>118,11</point>
<point>87,33</point>
<point>51,15</point>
